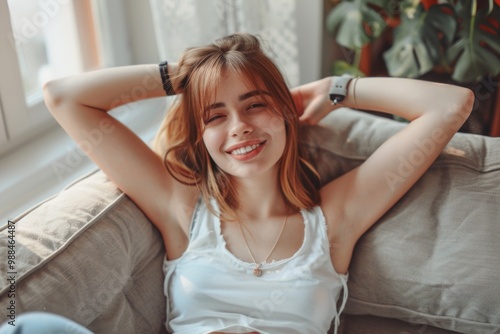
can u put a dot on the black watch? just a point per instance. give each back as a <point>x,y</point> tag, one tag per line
<point>338,89</point>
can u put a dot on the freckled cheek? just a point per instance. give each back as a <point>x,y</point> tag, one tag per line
<point>213,141</point>
<point>273,124</point>
<point>276,126</point>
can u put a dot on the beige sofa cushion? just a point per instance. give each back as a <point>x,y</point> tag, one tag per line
<point>89,254</point>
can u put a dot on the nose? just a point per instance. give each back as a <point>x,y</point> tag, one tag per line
<point>240,127</point>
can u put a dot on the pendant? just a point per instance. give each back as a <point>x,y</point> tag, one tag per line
<point>257,272</point>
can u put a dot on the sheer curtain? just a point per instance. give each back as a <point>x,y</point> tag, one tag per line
<point>180,24</point>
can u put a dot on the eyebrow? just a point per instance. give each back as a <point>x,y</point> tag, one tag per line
<point>241,98</point>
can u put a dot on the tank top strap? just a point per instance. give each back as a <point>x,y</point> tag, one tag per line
<point>315,225</point>
<point>316,233</point>
<point>201,221</point>
<point>195,218</point>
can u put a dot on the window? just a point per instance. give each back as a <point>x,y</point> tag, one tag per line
<point>41,30</point>
<point>36,33</point>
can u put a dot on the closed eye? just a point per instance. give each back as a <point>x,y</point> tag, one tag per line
<point>213,118</point>
<point>257,105</point>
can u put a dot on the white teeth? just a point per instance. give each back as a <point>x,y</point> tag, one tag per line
<point>245,150</point>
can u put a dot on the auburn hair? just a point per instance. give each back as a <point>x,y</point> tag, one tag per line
<point>179,140</point>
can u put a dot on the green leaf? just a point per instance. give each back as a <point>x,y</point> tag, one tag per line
<point>464,8</point>
<point>477,51</point>
<point>341,67</point>
<point>491,5</point>
<point>416,47</point>
<point>355,23</point>
<point>440,20</point>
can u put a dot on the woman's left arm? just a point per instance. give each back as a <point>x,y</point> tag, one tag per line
<point>356,200</point>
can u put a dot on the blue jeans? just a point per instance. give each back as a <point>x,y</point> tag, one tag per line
<point>42,323</point>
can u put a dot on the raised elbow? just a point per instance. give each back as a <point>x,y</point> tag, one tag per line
<point>461,108</point>
<point>464,101</point>
<point>53,94</point>
<point>468,100</point>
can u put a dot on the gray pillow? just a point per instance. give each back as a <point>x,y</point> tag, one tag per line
<point>433,259</point>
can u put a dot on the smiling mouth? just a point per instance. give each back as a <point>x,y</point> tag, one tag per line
<point>246,149</point>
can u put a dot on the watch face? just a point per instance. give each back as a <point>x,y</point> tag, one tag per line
<point>336,98</point>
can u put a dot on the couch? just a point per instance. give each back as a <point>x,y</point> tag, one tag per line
<point>430,265</point>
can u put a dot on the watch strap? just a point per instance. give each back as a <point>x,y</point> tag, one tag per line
<point>338,88</point>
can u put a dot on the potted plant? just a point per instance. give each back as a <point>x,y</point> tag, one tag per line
<point>456,41</point>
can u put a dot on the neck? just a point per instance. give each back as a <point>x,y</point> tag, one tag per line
<point>260,197</point>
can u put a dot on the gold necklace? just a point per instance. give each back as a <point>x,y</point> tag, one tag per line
<point>257,271</point>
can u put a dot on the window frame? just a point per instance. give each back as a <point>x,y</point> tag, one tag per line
<point>19,117</point>
<point>3,129</point>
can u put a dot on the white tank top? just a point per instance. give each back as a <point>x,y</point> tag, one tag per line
<point>208,289</point>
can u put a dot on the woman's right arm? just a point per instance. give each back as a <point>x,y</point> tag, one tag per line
<point>80,104</point>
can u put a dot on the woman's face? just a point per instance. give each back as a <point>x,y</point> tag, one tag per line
<point>242,134</point>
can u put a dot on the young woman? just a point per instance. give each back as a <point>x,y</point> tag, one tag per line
<point>252,243</point>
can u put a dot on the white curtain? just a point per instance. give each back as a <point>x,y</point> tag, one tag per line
<point>180,24</point>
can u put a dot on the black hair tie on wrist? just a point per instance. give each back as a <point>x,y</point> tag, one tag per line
<point>165,79</point>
